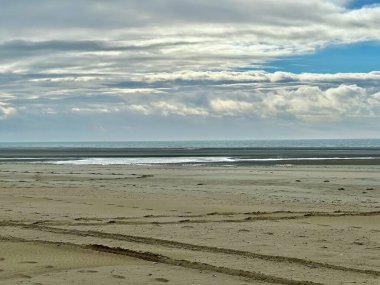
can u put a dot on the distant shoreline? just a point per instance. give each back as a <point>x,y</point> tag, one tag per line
<point>237,153</point>
<point>217,157</point>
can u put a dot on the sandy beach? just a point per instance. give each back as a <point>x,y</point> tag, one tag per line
<point>119,224</point>
<point>186,142</point>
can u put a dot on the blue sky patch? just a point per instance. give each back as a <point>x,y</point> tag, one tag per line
<point>358,57</point>
<point>357,4</point>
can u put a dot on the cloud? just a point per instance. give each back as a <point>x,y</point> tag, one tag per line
<point>187,59</point>
<point>302,102</point>
<point>260,94</point>
<point>228,107</point>
<point>258,76</point>
<point>85,35</point>
<point>335,103</point>
<point>6,111</point>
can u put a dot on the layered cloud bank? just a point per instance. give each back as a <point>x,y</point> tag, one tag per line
<point>260,94</point>
<point>66,61</point>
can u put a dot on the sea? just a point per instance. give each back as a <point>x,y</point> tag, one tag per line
<point>221,152</point>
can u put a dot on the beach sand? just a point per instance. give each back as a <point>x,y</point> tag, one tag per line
<point>94,224</point>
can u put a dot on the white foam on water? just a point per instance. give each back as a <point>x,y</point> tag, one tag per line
<point>144,160</point>
<point>192,160</point>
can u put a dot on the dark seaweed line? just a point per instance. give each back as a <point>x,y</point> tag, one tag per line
<point>257,216</point>
<point>184,221</point>
<point>124,222</point>
<point>205,221</point>
<point>188,246</point>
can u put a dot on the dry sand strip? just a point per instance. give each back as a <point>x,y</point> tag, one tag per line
<point>283,268</point>
<point>148,256</point>
<point>193,247</point>
<point>41,263</point>
<point>23,260</point>
<point>199,265</point>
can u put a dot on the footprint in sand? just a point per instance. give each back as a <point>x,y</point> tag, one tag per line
<point>118,276</point>
<point>49,266</point>
<point>187,227</point>
<point>243,230</point>
<point>163,280</point>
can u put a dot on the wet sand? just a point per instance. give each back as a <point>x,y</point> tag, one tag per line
<point>313,224</point>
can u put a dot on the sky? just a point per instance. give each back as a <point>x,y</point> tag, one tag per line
<point>90,70</point>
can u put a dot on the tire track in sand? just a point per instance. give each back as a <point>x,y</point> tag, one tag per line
<point>153,257</point>
<point>193,247</point>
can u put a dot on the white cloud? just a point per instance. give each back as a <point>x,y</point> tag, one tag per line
<point>6,110</point>
<point>310,102</point>
<point>303,103</point>
<point>168,108</point>
<point>258,76</point>
<point>230,107</point>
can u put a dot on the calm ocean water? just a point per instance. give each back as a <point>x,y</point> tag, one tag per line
<point>356,151</point>
<point>315,143</point>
